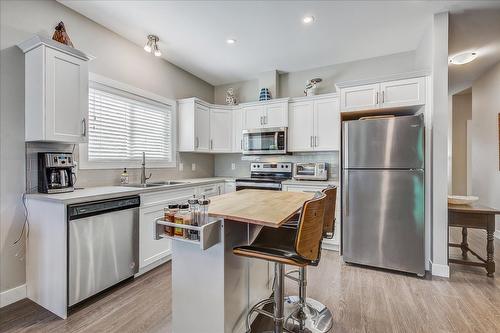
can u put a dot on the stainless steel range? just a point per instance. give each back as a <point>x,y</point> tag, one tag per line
<point>265,176</point>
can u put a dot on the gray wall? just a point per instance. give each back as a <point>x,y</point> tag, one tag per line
<point>485,137</point>
<point>461,112</point>
<point>116,58</point>
<point>292,84</point>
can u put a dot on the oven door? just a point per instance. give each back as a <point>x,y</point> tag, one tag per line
<point>244,185</point>
<point>266,141</point>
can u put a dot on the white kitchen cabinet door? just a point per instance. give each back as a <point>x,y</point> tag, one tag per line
<point>326,124</point>
<point>151,249</point>
<point>254,116</point>
<point>202,128</point>
<point>301,129</point>
<point>276,115</point>
<point>401,93</point>
<point>238,125</point>
<point>56,96</point>
<point>210,190</point>
<point>360,98</point>
<point>220,130</point>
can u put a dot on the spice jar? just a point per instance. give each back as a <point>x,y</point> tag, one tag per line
<point>194,212</point>
<point>182,217</point>
<point>169,216</point>
<point>203,211</point>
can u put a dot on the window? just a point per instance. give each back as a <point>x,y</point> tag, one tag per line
<point>124,122</point>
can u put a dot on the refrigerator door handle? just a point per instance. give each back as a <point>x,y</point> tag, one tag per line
<point>346,193</point>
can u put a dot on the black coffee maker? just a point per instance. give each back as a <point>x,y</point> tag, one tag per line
<point>55,172</point>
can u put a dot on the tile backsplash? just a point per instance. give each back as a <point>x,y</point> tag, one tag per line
<point>223,162</point>
<point>106,177</point>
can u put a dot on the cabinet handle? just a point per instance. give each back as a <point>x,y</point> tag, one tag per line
<point>265,120</point>
<point>311,141</point>
<point>316,141</point>
<point>211,144</point>
<point>383,96</point>
<point>377,98</point>
<point>262,120</point>
<point>197,144</point>
<point>241,144</point>
<point>84,127</point>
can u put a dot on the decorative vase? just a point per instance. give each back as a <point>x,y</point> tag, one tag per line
<point>61,36</point>
<point>265,94</point>
<point>231,97</point>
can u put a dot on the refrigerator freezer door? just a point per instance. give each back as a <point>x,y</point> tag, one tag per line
<point>383,219</point>
<point>393,143</point>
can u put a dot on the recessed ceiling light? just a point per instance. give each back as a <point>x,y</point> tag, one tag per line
<point>463,58</point>
<point>308,19</point>
<point>230,41</point>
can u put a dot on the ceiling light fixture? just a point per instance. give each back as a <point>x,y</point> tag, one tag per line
<point>152,45</point>
<point>308,19</point>
<point>230,41</point>
<point>463,58</point>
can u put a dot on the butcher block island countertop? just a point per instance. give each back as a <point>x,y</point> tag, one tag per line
<point>260,207</point>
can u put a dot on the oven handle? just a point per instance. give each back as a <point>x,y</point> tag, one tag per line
<point>261,185</point>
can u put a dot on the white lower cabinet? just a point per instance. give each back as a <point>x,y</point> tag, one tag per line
<point>230,187</point>
<point>152,205</point>
<point>210,190</point>
<point>330,244</point>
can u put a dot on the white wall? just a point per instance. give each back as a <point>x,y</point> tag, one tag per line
<point>485,132</point>
<point>116,58</point>
<point>292,84</point>
<point>462,111</point>
<point>440,121</point>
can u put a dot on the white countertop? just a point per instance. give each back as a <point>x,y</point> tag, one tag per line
<point>106,192</point>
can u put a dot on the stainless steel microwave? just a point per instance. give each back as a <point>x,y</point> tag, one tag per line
<point>265,141</point>
<point>311,171</point>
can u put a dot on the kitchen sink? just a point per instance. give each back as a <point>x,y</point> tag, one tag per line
<point>155,184</point>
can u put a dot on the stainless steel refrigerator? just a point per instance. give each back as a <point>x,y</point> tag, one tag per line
<point>383,193</point>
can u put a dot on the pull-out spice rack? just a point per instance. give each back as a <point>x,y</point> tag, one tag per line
<point>209,234</point>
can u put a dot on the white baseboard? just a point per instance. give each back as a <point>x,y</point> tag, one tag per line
<point>497,234</point>
<point>440,270</point>
<point>153,265</point>
<point>12,295</point>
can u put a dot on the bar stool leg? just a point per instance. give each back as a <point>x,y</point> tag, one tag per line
<point>279,291</point>
<point>306,315</point>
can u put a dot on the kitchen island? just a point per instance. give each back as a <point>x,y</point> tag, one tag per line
<point>213,289</point>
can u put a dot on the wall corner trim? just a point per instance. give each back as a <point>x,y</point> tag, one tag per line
<point>440,270</point>
<point>12,295</point>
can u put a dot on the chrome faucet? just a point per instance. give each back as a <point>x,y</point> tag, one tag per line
<point>143,172</point>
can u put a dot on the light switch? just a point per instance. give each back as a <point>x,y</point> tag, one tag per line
<point>181,166</point>
<point>233,166</point>
<point>193,166</point>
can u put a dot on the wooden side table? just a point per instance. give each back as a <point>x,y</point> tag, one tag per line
<point>478,217</point>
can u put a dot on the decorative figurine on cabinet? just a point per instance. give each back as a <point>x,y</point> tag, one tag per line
<point>231,98</point>
<point>61,36</point>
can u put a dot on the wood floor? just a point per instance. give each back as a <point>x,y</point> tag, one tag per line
<point>361,299</point>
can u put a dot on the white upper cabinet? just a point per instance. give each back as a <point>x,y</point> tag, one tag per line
<point>56,92</point>
<point>238,125</point>
<point>387,94</point>
<point>402,93</point>
<point>314,125</point>
<point>360,98</point>
<point>301,130</point>
<point>202,128</point>
<point>266,115</point>
<point>326,124</point>
<point>221,124</point>
<point>254,116</point>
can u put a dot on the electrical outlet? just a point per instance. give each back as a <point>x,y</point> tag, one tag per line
<point>233,166</point>
<point>181,166</point>
<point>193,166</point>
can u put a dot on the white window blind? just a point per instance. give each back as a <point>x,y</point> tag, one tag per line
<point>122,125</point>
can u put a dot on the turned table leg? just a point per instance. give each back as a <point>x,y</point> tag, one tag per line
<point>490,248</point>
<point>464,244</point>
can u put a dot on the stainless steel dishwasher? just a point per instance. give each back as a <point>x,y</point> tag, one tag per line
<point>103,245</point>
